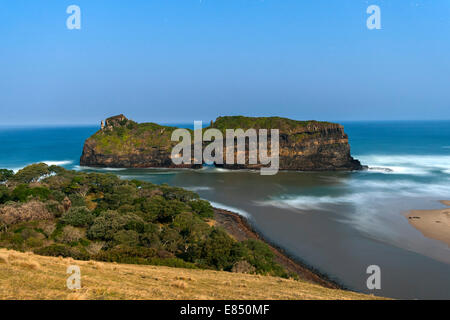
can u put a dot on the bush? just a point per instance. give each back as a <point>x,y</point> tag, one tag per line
<point>33,242</point>
<point>77,200</point>
<point>140,255</point>
<point>106,226</point>
<point>94,248</point>
<point>259,255</point>
<point>150,237</point>
<point>243,267</point>
<point>31,173</point>
<point>54,207</point>
<point>56,250</point>
<point>217,250</point>
<point>171,239</point>
<point>127,254</point>
<point>5,175</point>
<point>4,194</point>
<point>57,195</point>
<point>202,208</point>
<point>127,237</point>
<point>165,210</point>
<point>71,234</point>
<point>30,211</point>
<point>22,192</point>
<point>78,217</point>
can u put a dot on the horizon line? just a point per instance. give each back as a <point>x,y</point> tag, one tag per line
<point>89,124</point>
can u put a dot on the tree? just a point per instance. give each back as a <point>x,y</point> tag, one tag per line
<point>78,217</point>
<point>4,194</point>
<point>23,191</point>
<point>106,226</point>
<point>31,173</point>
<point>5,175</point>
<point>217,250</point>
<point>202,208</point>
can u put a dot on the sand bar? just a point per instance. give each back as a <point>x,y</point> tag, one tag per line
<point>434,224</point>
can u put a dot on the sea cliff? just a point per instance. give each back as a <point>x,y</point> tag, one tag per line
<point>304,145</point>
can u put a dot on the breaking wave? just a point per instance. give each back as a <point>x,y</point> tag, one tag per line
<point>229,208</point>
<point>198,188</point>
<point>49,163</point>
<point>407,164</point>
<point>357,192</point>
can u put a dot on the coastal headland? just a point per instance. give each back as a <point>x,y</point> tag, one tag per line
<point>101,222</point>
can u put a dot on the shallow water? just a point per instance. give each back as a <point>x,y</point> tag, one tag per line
<point>340,223</point>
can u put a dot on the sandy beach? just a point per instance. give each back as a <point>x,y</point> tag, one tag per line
<point>434,224</point>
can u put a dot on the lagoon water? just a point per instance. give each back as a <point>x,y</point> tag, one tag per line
<point>339,223</point>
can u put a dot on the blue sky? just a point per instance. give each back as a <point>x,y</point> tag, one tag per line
<point>179,61</point>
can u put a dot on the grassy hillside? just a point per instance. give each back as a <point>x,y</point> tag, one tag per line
<point>29,276</point>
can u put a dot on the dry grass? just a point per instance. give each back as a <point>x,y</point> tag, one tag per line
<point>29,276</point>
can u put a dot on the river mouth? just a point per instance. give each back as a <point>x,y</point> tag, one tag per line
<point>337,222</point>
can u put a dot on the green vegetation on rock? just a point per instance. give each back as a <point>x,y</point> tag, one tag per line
<point>130,137</point>
<point>283,124</point>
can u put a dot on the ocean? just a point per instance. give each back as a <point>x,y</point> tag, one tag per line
<point>337,222</point>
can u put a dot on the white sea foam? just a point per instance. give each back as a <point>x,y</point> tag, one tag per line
<point>406,164</point>
<point>198,188</point>
<point>229,208</point>
<point>305,202</point>
<point>15,169</point>
<point>57,163</point>
<point>77,167</point>
<point>358,192</point>
<point>49,163</point>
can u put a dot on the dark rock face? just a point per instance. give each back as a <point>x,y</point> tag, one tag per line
<point>152,158</point>
<point>304,145</point>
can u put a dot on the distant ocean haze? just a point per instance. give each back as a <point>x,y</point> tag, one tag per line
<point>339,222</point>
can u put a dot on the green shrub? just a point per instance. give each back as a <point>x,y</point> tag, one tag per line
<point>57,195</point>
<point>258,254</point>
<point>5,175</point>
<point>77,200</point>
<point>54,207</point>
<point>22,192</point>
<point>127,237</point>
<point>17,239</point>
<point>56,250</point>
<point>4,194</point>
<point>78,217</point>
<point>126,254</point>
<point>106,226</point>
<point>217,249</point>
<point>31,173</point>
<point>202,208</point>
<point>33,242</point>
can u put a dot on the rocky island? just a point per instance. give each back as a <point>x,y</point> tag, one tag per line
<point>304,145</point>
